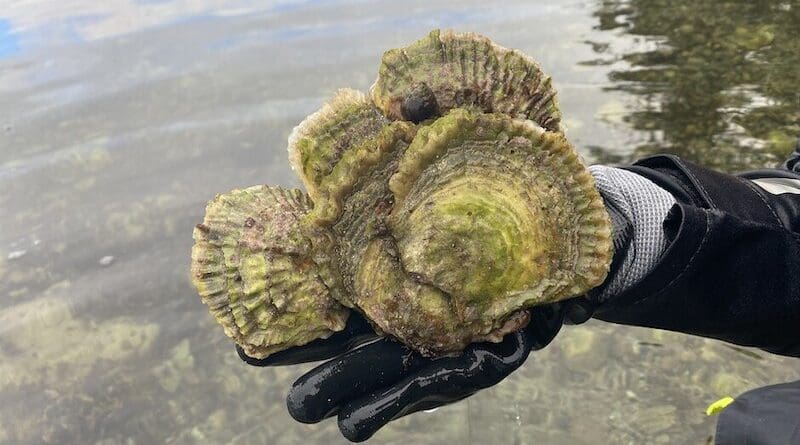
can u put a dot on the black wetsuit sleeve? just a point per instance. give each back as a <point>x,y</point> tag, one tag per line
<point>731,270</point>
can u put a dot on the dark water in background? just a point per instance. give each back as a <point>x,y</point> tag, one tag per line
<point>120,119</point>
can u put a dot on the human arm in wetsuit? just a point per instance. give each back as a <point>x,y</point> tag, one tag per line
<point>696,251</point>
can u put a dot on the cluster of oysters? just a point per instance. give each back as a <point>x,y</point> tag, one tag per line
<point>440,206</point>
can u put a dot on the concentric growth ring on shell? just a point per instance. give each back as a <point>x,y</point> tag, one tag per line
<point>493,208</point>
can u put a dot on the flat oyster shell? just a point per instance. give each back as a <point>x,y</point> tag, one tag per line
<point>266,279</point>
<point>447,70</point>
<point>319,142</point>
<point>483,216</point>
<point>491,206</point>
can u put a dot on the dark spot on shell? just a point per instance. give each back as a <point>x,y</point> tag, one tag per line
<point>304,264</point>
<point>381,230</point>
<point>419,104</point>
<point>416,277</point>
<point>391,305</point>
<point>203,228</point>
<point>384,206</point>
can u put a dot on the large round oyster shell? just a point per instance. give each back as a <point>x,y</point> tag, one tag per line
<point>447,70</point>
<point>444,241</point>
<point>266,279</point>
<point>487,206</point>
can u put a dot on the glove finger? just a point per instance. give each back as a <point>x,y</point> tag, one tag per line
<point>442,381</point>
<point>578,310</point>
<point>319,393</point>
<point>357,331</point>
<point>546,322</point>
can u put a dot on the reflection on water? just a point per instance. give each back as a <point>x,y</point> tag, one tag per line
<point>119,120</point>
<point>717,82</point>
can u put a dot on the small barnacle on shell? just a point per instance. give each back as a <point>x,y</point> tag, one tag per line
<point>419,103</point>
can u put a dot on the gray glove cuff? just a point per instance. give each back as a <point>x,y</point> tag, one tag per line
<point>637,207</point>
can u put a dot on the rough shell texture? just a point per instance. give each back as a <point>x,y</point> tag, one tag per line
<point>447,70</point>
<point>320,141</point>
<point>355,198</point>
<point>266,279</point>
<point>443,207</point>
<point>486,205</point>
<point>442,242</point>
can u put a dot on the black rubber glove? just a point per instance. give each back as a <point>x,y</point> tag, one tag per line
<point>730,271</point>
<point>371,380</point>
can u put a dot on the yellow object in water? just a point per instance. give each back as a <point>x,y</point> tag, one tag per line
<point>717,407</point>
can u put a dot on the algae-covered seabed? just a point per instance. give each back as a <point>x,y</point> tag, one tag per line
<point>119,120</point>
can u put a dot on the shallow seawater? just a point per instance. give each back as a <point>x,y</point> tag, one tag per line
<point>119,120</point>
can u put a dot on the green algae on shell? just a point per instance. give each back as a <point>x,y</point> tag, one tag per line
<point>441,221</point>
<point>266,278</point>
<point>490,206</point>
<point>317,144</point>
<point>446,241</point>
<point>355,199</point>
<point>447,70</point>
